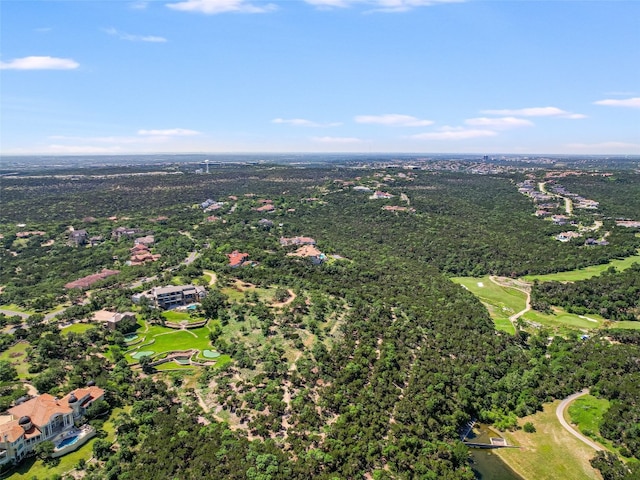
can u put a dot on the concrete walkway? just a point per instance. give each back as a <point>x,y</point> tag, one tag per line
<point>560,414</point>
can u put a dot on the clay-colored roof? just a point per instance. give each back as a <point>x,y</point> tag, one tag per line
<point>91,393</point>
<point>40,409</point>
<point>306,251</point>
<point>236,258</point>
<point>11,430</point>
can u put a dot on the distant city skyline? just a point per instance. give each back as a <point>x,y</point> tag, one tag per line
<point>315,76</point>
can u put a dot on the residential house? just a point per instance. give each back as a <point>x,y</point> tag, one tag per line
<point>173,296</point>
<point>110,319</point>
<point>125,232</point>
<point>236,258</point>
<point>146,240</point>
<point>310,252</point>
<point>269,207</point>
<point>86,282</point>
<point>288,241</point>
<point>42,418</point>
<point>78,237</point>
<point>381,195</point>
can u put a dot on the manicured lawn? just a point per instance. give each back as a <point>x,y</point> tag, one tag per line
<point>586,412</point>
<point>501,302</point>
<point>584,273</point>
<point>550,453</point>
<point>18,358</point>
<point>625,324</point>
<point>78,328</point>
<point>563,319</point>
<point>168,339</point>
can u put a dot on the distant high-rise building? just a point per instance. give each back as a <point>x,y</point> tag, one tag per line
<point>485,158</point>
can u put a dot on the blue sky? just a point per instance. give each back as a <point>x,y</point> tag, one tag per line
<point>431,76</point>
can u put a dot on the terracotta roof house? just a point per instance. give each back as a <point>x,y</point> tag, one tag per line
<point>310,252</point>
<point>86,282</point>
<point>378,195</point>
<point>265,208</point>
<point>43,418</point>
<point>146,240</point>
<point>236,258</point>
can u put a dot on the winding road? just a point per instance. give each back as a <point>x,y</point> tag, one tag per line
<point>560,414</point>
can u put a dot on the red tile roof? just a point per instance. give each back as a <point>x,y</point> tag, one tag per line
<point>236,258</point>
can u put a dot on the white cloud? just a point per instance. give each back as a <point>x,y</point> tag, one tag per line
<point>172,132</point>
<point>626,102</point>
<point>213,7</point>
<point>340,140</point>
<point>40,63</point>
<point>454,133</point>
<point>134,38</point>
<point>536,112</point>
<point>141,5</point>
<point>500,123</point>
<point>380,5</point>
<point>301,122</point>
<point>393,119</point>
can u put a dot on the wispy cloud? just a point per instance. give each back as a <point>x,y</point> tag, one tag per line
<point>625,102</point>
<point>536,112</point>
<point>40,63</point>
<point>606,147</point>
<point>43,29</point>
<point>213,7</point>
<point>500,123</point>
<point>455,133</point>
<point>394,120</point>
<point>172,132</point>
<point>337,140</point>
<point>301,122</point>
<point>141,5</point>
<point>134,38</point>
<point>380,5</point>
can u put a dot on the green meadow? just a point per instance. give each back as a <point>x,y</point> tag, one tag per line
<point>584,273</point>
<point>501,302</point>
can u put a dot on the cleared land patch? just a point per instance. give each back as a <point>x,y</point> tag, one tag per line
<point>587,412</point>
<point>550,453</point>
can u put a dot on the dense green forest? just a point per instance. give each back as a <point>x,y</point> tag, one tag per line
<point>385,393</point>
<point>614,295</point>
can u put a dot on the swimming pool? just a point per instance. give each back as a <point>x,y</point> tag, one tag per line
<point>67,441</point>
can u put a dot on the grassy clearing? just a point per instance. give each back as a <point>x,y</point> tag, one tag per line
<point>501,302</point>
<point>625,324</point>
<point>584,273</point>
<point>550,453</point>
<point>78,328</point>
<point>12,307</point>
<point>561,318</point>
<point>17,355</point>
<point>586,412</point>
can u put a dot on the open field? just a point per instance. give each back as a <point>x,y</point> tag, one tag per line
<point>584,273</point>
<point>550,453</point>
<point>561,318</point>
<point>586,412</point>
<point>501,302</point>
<point>18,358</point>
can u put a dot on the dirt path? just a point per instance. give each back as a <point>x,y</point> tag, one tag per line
<point>292,297</point>
<point>214,277</point>
<point>560,414</point>
<point>201,402</point>
<point>519,285</point>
